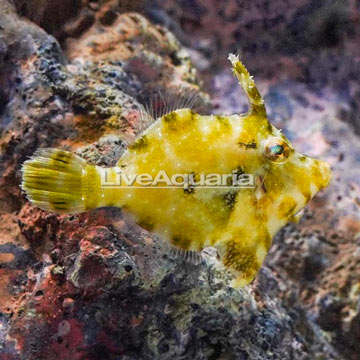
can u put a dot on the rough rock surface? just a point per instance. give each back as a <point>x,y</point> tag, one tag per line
<point>96,286</point>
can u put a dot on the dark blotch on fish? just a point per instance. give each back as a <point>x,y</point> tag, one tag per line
<point>140,143</point>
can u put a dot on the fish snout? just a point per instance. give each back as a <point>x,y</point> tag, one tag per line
<point>325,173</point>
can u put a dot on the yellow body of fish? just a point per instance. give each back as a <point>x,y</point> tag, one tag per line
<point>239,222</point>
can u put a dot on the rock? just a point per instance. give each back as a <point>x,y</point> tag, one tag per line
<point>68,305</point>
<point>329,316</point>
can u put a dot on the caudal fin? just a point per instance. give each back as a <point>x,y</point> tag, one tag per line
<point>52,180</point>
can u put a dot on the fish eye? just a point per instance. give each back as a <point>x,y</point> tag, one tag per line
<point>277,150</point>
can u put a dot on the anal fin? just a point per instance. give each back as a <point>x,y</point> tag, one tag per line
<point>191,256</point>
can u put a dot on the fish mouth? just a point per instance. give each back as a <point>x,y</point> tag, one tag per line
<point>325,173</point>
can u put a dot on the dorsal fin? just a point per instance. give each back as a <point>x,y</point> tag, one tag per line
<point>165,102</point>
<point>247,83</point>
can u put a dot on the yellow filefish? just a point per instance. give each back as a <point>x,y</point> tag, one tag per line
<point>230,182</point>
